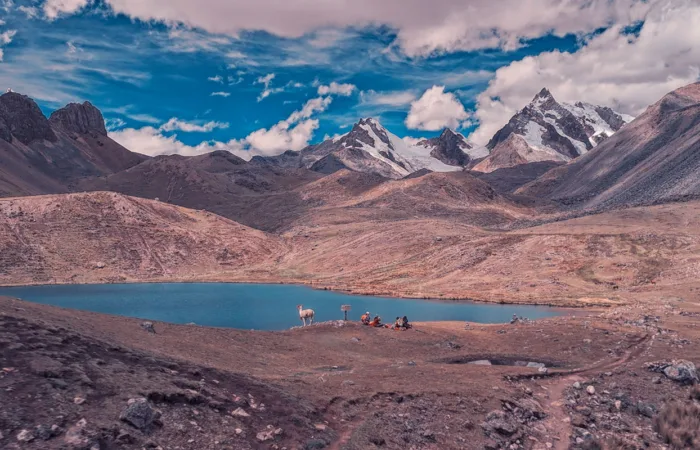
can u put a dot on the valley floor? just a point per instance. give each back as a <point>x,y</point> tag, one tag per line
<point>619,257</point>
<point>345,386</point>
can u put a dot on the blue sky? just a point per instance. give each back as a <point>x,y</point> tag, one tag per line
<point>240,88</point>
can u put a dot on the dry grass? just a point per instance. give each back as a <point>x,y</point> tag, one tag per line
<point>678,423</point>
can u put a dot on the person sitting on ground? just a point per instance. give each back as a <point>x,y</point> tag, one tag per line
<point>365,318</point>
<point>376,322</point>
<point>397,323</point>
<point>404,323</point>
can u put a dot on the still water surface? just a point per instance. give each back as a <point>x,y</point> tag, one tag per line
<point>255,306</point>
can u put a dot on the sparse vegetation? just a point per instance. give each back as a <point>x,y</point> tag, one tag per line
<point>678,423</point>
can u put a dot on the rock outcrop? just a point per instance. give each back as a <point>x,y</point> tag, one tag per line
<point>79,118</point>
<point>21,118</point>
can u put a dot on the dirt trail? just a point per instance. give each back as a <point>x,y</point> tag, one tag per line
<point>558,419</point>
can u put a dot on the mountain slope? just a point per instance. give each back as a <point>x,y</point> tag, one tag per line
<point>260,196</point>
<point>656,158</point>
<point>104,237</point>
<point>546,130</point>
<point>41,155</point>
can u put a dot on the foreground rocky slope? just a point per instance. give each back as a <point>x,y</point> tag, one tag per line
<point>656,158</point>
<point>107,237</point>
<point>74,380</point>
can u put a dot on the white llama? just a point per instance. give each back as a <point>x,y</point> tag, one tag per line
<point>306,314</point>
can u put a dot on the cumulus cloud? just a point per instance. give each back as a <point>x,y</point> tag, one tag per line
<point>216,79</point>
<point>150,141</point>
<point>395,98</point>
<point>175,124</point>
<point>411,140</point>
<point>53,8</point>
<point>220,94</point>
<point>624,71</point>
<point>293,133</point>
<point>344,89</point>
<point>435,110</point>
<point>423,27</point>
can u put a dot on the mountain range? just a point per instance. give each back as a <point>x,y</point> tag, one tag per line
<point>367,211</point>
<point>592,152</point>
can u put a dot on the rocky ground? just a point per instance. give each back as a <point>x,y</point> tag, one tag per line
<point>613,378</point>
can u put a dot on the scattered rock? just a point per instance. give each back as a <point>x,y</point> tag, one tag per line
<point>148,326</point>
<point>577,386</point>
<point>646,409</point>
<point>25,436</point>
<point>239,412</point>
<point>100,265</point>
<point>75,435</point>
<point>139,414</point>
<point>681,371</point>
<point>501,423</point>
<point>320,427</point>
<point>411,363</point>
<point>79,400</point>
<point>590,390</point>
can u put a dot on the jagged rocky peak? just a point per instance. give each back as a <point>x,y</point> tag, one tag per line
<point>79,118</point>
<point>563,130</point>
<point>364,132</point>
<point>21,118</point>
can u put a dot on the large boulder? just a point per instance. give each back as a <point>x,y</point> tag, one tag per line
<point>682,371</point>
<point>139,414</point>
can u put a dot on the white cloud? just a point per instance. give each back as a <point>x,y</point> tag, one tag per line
<point>344,89</point>
<point>29,11</point>
<point>423,27</point>
<point>267,91</point>
<point>435,110</point>
<point>220,94</point>
<point>283,136</point>
<point>394,98</point>
<point>175,124</point>
<point>114,124</point>
<point>150,141</point>
<point>293,133</point>
<point>6,36</point>
<point>625,72</point>
<point>411,140</point>
<point>53,8</point>
<point>216,79</point>
<point>311,107</point>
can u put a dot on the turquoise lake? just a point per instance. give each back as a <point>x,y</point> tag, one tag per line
<point>256,306</point>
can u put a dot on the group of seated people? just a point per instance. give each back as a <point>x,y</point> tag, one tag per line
<point>401,323</point>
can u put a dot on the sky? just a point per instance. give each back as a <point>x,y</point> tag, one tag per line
<point>263,77</point>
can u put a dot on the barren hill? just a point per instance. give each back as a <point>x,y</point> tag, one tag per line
<point>260,196</point>
<point>655,158</point>
<point>107,237</point>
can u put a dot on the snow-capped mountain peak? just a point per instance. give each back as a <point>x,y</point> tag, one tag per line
<point>556,131</point>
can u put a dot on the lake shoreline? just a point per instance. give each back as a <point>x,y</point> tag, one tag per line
<point>581,303</point>
<point>260,306</point>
